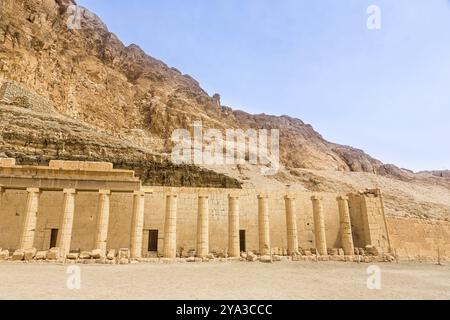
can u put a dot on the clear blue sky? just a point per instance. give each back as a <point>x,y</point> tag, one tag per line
<point>386,92</point>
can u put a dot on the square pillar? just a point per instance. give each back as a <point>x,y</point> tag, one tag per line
<point>234,250</point>
<point>291,224</point>
<point>170,227</point>
<point>264,225</point>
<point>137,225</point>
<point>65,237</point>
<point>319,226</point>
<point>203,226</point>
<point>29,228</point>
<point>101,235</point>
<point>346,226</point>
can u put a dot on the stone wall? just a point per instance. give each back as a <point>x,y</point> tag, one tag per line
<point>86,210</point>
<point>13,93</point>
<point>419,240</point>
<point>45,186</point>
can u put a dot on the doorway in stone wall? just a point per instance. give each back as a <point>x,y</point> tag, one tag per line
<point>53,238</point>
<point>153,241</point>
<point>242,241</point>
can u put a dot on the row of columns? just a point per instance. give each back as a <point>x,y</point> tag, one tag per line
<point>65,236</point>
<point>170,228</point>
<point>263,226</point>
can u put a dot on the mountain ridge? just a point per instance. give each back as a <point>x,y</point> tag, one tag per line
<point>91,76</point>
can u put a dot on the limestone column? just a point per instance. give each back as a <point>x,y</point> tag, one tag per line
<point>170,227</point>
<point>65,237</point>
<point>234,247</point>
<point>2,191</point>
<point>137,224</point>
<point>346,226</point>
<point>319,226</point>
<point>264,226</point>
<point>203,226</point>
<point>29,228</point>
<point>291,223</point>
<point>101,236</point>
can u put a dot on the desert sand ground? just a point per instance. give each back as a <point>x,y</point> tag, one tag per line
<point>232,281</point>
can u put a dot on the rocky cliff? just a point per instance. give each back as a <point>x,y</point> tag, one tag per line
<point>91,77</point>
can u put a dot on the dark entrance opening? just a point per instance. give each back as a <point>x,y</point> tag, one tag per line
<point>242,240</point>
<point>153,241</point>
<point>53,238</point>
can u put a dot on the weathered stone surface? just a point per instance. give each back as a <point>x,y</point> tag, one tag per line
<point>30,254</point>
<point>85,255</point>
<point>372,251</point>
<point>73,256</point>
<point>41,255</point>
<point>124,253</point>
<point>4,255</point>
<point>111,254</point>
<point>18,255</point>
<point>252,257</point>
<point>266,259</point>
<point>97,254</point>
<point>53,254</point>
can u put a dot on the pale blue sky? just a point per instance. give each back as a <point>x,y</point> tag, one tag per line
<point>386,92</point>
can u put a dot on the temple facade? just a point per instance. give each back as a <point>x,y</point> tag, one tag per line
<point>82,206</point>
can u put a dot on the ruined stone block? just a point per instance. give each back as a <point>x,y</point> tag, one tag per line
<point>73,256</point>
<point>29,254</point>
<point>4,255</point>
<point>97,254</point>
<point>266,259</point>
<point>41,255</point>
<point>111,254</point>
<point>124,253</point>
<point>7,162</point>
<point>18,255</point>
<point>85,255</point>
<point>53,254</point>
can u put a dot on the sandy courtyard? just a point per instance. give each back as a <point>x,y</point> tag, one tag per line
<point>225,281</point>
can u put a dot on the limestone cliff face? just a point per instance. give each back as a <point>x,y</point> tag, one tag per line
<point>91,77</point>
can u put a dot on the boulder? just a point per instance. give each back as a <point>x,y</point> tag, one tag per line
<point>307,253</point>
<point>252,257</point>
<point>372,251</point>
<point>97,254</point>
<point>266,259</point>
<point>18,255</point>
<point>277,258</point>
<point>53,254</point>
<point>333,252</point>
<point>111,254</point>
<point>41,255</point>
<point>30,254</point>
<point>85,255</point>
<point>341,252</point>
<point>4,255</point>
<point>190,259</point>
<point>124,261</point>
<point>73,256</point>
<point>124,253</point>
<point>244,255</point>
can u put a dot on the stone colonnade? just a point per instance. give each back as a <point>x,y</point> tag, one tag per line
<point>65,236</point>
<point>170,226</point>
<point>263,226</point>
